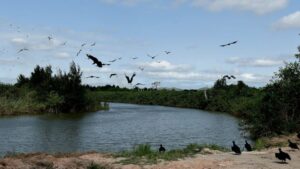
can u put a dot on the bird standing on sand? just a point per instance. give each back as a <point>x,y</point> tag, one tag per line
<point>161,149</point>
<point>282,155</point>
<point>293,145</point>
<point>236,148</point>
<point>248,146</point>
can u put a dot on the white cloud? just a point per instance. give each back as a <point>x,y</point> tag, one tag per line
<point>256,62</point>
<point>256,6</point>
<point>63,55</point>
<point>289,21</point>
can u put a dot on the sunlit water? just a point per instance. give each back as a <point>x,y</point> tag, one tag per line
<point>120,128</point>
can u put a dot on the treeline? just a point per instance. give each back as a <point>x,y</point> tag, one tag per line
<point>45,92</point>
<point>273,109</point>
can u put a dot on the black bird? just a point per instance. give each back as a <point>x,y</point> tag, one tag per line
<point>293,145</point>
<point>113,60</point>
<point>298,135</point>
<point>96,61</point>
<point>50,38</point>
<point>77,54</point>
<point>282,155</point>
<point>233,77</point>
<point>23,49</point>
<point>226,76</point>
<point>139,84</point>
<point>235,148</point>
<point>228,44</point>
<point>94,44</point>
<point>134,58</point>
<point>113,74</point>
<point>120,58</point>
<point>129,80</point>
<point>161,149</point>
<point>93,77</point>
<point>248,146</point>
<point>82,45</point>
<point>167,52</point>
<point>152,57</point>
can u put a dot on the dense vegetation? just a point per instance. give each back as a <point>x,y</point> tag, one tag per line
<point>273,109</point>
<point>44,92</point>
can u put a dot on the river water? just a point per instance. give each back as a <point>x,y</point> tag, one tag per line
<point>120,128</point>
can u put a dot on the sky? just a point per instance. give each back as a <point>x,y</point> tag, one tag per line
<point>267,32</point>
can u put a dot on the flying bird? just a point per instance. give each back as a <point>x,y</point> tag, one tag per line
<point>139,84</point>
<point>228,77</point>
<point>141,68</point>
<point>94,44</point>
<point>77,54</point>
<point>134,58</point>
<point>282,155</point>
<point>63,44</point>
<point>228,44</point>
<point>120,58</point>
<point>82,45</point>
<point>129,80</point>
<point>23,49</point>
<point>113,60</point>
<point>236,148</point>
<point>93,77</point>
<point>167,52</point>
<point>152,57</point>
<point>50,38</point>
<point>113,74</point>
<point>96,61</point>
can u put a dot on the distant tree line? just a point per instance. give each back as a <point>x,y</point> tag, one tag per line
<point>270,110</point>
<point>46,92</point>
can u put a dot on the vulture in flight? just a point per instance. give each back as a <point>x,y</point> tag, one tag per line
<point>129,80</point>
<point>113,74</point>
<point>228,44</point>
<point>96,61</point>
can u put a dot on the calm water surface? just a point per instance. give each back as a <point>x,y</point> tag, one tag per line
<point>120,128</point>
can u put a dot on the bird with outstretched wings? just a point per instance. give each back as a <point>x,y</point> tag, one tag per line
<point>96,61</point>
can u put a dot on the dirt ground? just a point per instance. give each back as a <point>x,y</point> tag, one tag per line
<point>216,160</point>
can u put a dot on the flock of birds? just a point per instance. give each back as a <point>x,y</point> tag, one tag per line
<point>281,155</point>
<point>100,64</point>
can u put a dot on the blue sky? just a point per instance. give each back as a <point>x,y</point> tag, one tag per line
<point>266,30</point>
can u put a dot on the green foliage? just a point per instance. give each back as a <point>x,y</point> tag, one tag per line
<point>145,154</point>
<point>44,92</point>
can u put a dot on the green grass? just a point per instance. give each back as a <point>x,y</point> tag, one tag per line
<point>144,154</point>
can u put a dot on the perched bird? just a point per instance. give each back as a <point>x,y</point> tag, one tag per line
<point>228,44</point>
<point>282,155</point>
<point>96,61</point>
<point>129,80</point>
<point>113,74</point>
<point>167,52</point>
<point>93,44</point>
<point>93,77</point>
<point>134,58</point>
<point>161,149</point>
<point>235,148</point>
<point>23,49</point>
<point>152,57</point>
<point>77,54</point>
<point>293,145</point>
<point>113,60</point>
<point>248,146</point>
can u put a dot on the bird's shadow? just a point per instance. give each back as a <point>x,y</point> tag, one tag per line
<point>281,162</point>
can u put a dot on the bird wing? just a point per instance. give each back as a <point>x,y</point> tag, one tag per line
<point>128,80</point>
<point>94,59</point>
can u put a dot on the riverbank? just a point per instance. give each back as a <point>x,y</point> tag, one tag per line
<point>206,158</point>
<point>213,160</point>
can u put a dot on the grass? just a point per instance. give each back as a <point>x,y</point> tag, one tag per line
<point>144,154</point>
